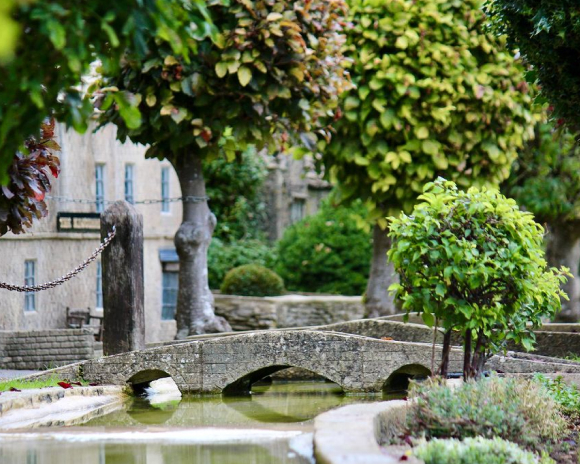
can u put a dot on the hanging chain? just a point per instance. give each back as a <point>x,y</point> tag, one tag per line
<point>63,279</point>
<point>186,199</point>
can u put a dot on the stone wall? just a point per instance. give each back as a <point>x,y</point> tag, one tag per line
<point>250,313</point>
<point>45,348</point>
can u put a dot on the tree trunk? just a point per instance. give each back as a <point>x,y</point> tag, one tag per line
<point>467,355</point>
<point>378,301</point>
<point>195,304</point>
<point>563,249</point>
<point>444,367</point>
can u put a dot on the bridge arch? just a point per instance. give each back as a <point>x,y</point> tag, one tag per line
<point>242,385</point>
<point>141,379</point>
<point>399,379</point>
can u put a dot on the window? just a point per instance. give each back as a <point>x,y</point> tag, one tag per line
<point>99,303</point>
<point>169,302</point>
<point>29,279</point>
<point>100,187</point>
<point>296,210</point>
<point>129,184</point>
<point>165,190</point>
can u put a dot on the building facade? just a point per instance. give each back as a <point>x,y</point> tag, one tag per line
<point>96,170</point>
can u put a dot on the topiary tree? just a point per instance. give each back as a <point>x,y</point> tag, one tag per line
<point>326,252</point>
<point>547,35</point>
<point>473,262</point>
<point>545,179</point>
<point>252,280</point>
<point>435,96</point>
<point>273,72</point>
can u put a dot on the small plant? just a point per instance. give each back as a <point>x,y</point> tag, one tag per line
<point>518,410</point>
<point>326,252</point>
<point>476,450</point>
<point>566,395</point>
<point>252,280</point>
<point>473,262</point>
<point>27,384</point>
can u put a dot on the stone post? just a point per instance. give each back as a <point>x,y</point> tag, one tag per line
<point>123,291</point>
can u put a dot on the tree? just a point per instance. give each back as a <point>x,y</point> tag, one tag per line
<point>45,49</point>
<point>473,262</point>
<point>235,191</point>
<point>547,35</point>
<point>435,96</point>
<point>545,179</point>
<point>272,72</point>
<point>58,42</point>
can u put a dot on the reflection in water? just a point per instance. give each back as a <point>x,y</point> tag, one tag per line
<point>285,409</point>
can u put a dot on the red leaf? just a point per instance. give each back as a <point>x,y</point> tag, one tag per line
<point>65,385</point>
<point>404,457</point>
<point>77,383</point>
<point>93,384</point>
<point>12,389</point>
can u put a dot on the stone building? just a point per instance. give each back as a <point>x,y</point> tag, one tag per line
<point>96,170</point>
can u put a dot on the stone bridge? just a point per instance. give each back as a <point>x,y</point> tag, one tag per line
<point>231,364</point>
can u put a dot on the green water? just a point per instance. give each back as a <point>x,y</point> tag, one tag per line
<point>268,427</point>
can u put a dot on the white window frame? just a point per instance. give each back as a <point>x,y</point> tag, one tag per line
<point>164,303</point>
<point>165,189</point>
<point>30,280</point>
<point>100,187</point>
<point>129,183</point>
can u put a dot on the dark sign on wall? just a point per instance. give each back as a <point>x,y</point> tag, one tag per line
<point>78,222</point>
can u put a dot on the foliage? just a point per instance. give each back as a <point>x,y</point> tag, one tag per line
<point>435,96</point>
<point>566,395</point>
<point>547,34</point>
<point>273,71</point>
<point>545,179</point>
<point>9,30</point>
<point>22,199</point>
<point>236,196</point>
<point>252,280</point>
<point>476,450</point>
<point>326,252</point>
<point>61,39</point>
<point>517,410</point>
<point>473,262</point>
<point>26,384</point>
<point>225,256</point>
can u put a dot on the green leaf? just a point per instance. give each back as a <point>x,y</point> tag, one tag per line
<point>244,75</point>
<point>221,69</point>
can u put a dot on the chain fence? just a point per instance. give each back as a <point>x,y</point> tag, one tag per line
<point>66,277</point>
<point>186,199</point>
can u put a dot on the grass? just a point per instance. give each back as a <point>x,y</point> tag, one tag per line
<point>21,384</point>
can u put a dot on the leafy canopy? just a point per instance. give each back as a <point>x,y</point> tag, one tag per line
<point>474,262</point>
<point>59,41</point>
<point>435,96</point>
<point>273,71</point>
<point>547,34</point>
<point>545,178</point>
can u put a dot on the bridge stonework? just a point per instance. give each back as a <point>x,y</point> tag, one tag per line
<point>230,364</point>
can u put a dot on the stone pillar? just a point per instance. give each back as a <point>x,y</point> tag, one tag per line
<point>123,291</point>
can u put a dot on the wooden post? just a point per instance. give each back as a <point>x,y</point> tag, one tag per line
<point>123,290</point>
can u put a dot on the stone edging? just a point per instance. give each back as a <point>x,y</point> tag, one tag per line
<point>57,406</point>
<point>349,435</point>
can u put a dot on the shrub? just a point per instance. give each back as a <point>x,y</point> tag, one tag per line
<point>326,252</point>
<point>252,280</point>
<point>518,410</point>
<point>225,256</point>
<point>474,262</point>
<point>476,450</point>
<point>567,396</point>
